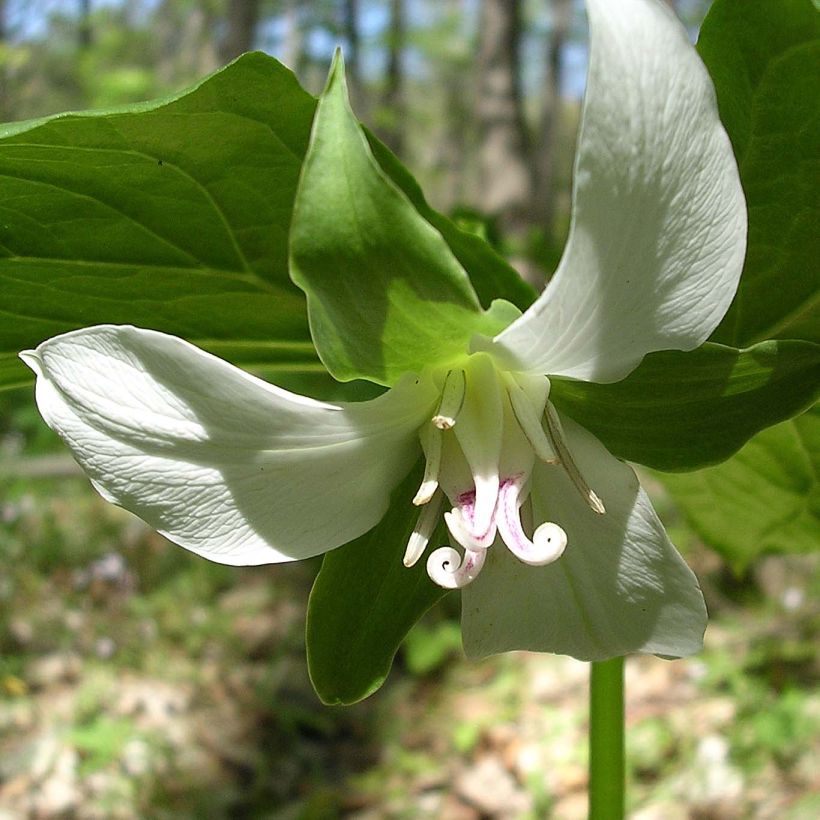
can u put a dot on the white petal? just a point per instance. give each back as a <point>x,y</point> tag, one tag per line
<point>658,230</point>
<point>220,462</point>
<point>619,587</point>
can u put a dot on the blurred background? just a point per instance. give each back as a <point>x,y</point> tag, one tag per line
<point>139,681</point>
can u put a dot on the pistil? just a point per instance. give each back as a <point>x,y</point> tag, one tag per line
<point>461,523</point>
<point>449,570</point>
<point>480,446</point>
<point>548,541</point>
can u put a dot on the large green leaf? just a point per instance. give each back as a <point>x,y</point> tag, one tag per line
<point>171,215</point>
<point>385,293</point>
<point>490,274</point>
<point>764,58</point>
<point>174,215</point>
<point>681,411</point>
<point>764,500</point>
<point>363,603</point>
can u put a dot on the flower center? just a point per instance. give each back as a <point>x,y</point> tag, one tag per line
<point>480,446</point>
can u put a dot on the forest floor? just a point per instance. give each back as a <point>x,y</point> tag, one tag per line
<point>137,680</point>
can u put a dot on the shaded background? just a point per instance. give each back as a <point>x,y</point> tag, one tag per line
<point>139,681</point>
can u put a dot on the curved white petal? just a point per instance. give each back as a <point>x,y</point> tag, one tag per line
<point>220,462</point>
<point>658,230</point>
<point>619,587</point>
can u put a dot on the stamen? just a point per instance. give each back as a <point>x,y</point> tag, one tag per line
<point>557,437</point>
<point>461,530</point>
<point>422,532</point>
<point>430,437</point>
<point>548,541</point>
<point>529,422</point>
<point>447,568</point>
<point>452,400</point>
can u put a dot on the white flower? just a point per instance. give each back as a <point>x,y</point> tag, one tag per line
<point>558,547</point>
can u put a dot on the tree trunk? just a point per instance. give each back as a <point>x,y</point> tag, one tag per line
<point>186,45</point>
<point>393,100</point>
<point>84,32</point>
<point>543,204</point>
<point>504,145</point>
<point>243,16</point>
<point>5,101</point>
<point>293,51</point>
<point>455,151</point>
<point>350,27</point>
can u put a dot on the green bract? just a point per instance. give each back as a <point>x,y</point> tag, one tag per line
<point>385,293</point>
<point>553,542</point>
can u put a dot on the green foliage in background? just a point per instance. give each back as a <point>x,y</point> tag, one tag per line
<point>764,59</point>
<point>766,499</point>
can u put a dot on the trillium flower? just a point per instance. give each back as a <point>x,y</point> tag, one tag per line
<point>551,539</point>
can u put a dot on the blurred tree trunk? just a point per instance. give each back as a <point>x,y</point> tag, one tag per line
<point>293,51</point>
<point>543,203</point>
<point>504,170</point>
<point>5,97</point>
<point>84,32</point>
<point>452,156</point>
<point>186,44</point>
<point>350,27</point>
<point>394,101</point>
<point>243,15</point>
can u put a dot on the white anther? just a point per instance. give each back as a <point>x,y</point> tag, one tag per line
<point>423,531</point>
<point>452,400</point>
<point>556,435</point>
<point>449,570</point>
<point>430,437</point>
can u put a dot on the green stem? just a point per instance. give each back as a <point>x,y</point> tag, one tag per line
<point>606,740</point>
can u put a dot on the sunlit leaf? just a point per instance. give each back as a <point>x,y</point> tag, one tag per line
<point>364,602</point>
<point>386,295</point>
<point>766,499</point>
<point>681,411</point>
<point>171,215</point>
<point>764,58</point>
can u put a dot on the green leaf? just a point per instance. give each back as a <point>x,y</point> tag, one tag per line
<point>764,58</point>
<point>764,500</point>
<point>364,602</point>
<point>491,275</point>
<point>174,215</point>
<point>681,411</point>
<point>170,215</point>
<point>385,293</point>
